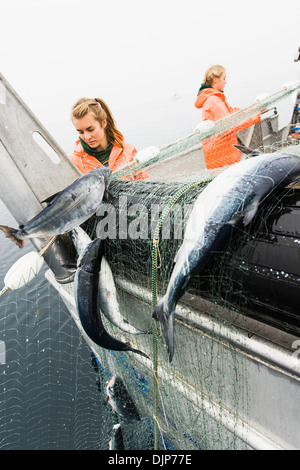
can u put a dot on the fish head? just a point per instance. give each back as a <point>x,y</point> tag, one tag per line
<point>117,430</point>
<point>106,175</point>
<point>103,172</point>
<point>110,389</point>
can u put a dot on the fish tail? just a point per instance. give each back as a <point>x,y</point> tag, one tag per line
<point>166,318</point>
<point>11,233</point>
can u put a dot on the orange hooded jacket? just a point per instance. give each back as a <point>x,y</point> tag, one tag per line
<point>117,159</point>
<point>219,151</point>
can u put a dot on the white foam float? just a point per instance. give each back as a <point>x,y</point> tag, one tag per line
<point>23,270</point>
<point>146,154</point>
<point>205,126</point>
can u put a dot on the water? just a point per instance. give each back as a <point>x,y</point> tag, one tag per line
<point>49,390</point>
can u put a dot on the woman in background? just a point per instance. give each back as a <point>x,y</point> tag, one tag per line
<point>100,142</point>
<point>219,151</point>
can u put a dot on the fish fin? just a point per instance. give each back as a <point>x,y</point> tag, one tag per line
<point>169,335</point>
<point>70,267</point>
<point>247,151</point>
<point>11,233</point>
<point>54,196</point>
<point>247,215</point>
<point>137,351</point>
<point>186,281</point>
<point>50,198</point>
<point>237,217</point>
<point>167,321</point>
<point>250,211</point>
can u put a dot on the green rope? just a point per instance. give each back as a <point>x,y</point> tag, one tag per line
<point>154,254</point>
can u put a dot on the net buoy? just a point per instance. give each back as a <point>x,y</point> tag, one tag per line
<point>23,270</point>
<point>146,154</point>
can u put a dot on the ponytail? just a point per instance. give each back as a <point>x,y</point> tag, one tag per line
<point>212,72</point>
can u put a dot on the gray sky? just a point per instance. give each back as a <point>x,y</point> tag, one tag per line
<point>135,52</point>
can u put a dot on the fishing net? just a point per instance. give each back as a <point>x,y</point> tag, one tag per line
<point>213,394</point>
<point>265,136</point>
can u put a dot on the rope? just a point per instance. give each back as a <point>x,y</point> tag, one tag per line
<point>5,289</point>
<point>154,254</point>
<point>46,247</point>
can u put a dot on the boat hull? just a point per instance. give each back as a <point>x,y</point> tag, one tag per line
<point>257,274</point>
<point>220,391</point>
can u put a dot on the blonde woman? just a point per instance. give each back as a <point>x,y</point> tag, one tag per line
<point>219,151</point>
<point>100,142</point>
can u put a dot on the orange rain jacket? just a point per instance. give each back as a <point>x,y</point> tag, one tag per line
<point>219,151</point>
<point>118,158</point>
